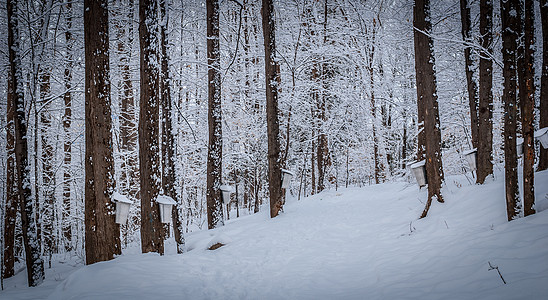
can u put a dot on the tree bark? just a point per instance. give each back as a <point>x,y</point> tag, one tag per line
<point>214,114</point>
<point>528,108</point>
<point>152,230</point>
<point>102,233</point>
<point>12,199</point>
<point>485,114</point>
<point>168,139</point>
<point>35,265</point>
<point>469,65</point>
<point>510,28</point>
<point>373,106</point>
<point>428,99</point>
<point>272,78</point>
<point>48,173</point>
<point>543,156</point>
<point>67,119</point>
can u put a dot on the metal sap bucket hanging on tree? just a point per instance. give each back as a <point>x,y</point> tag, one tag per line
<point>519,147</point>
<point>286,178</point>
<point>472,157</point>
<point>419,170</point>
<point>542,136</point>
<point>225,193</point>
<point>166,205</point>
<point>122,207</point>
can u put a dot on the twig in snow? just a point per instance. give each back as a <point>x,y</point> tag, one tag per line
<point>496,268</point>
<point>446,224</point>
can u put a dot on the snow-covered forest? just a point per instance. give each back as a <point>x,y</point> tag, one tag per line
<point>239,130</point>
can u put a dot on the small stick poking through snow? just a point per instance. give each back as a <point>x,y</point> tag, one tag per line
<point>496,268</point>
<point>411,228</point>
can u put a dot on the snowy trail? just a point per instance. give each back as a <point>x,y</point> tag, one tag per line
<point>357,243</point>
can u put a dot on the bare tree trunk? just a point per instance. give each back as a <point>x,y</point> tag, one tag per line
<point>404,141</point>
<point>528,108</point>
<point>215,149</point>
<point>543,156</point>
<point>272,78</point>
<point>12,199</point>
<point>373,107</point>
<point>48,174</point>
<point>102,232</point>
<point>67,119</point>
<point>35,265</point>
<point>469,64</point>
<point>152,230</point>
<point>312,168</point>
<point>485,114</point>
<point>168,139</point>
<point>427,97</point>
<point>510,28</point>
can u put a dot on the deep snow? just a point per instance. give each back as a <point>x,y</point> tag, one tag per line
<point>356,243</point>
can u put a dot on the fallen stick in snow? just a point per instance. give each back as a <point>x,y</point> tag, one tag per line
<point>496,268</point>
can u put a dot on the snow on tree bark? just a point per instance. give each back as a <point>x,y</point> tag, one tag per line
<point>48,173</point>
<point>528,108</point>
<point>485,113</point>
<point>152,230</point>
<point>168,139</point>
<point>67,120</point>
<point>428,99</point>
<point>543,122</point>
<point>12,197</point>
<point>214,117</point>
<point>469,65</point>
<point>102,234</point>
<point>34,263</point>
<point>510,29</point>
<point>273,124</point>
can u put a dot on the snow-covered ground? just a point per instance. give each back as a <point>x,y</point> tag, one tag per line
<point>356,243</point>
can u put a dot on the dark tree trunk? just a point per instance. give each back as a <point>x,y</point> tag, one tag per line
<point>35,265</point>
<point>214,114</point>
<point>12,199</point>
<point>152,230</point>
<point>322,151</point>
<point>485,114</point>
<point>102,232</point>
<point>543,156</point>
<point>469,65</point>
<point>272,78</point>
<point>373,108</point>
<point>528,108</point>
<point>168,139</point>
<point>67,119</point>
<point>404,141</point>
<point>510,28</point>
<point>428,99</point>
<point>520,60</point>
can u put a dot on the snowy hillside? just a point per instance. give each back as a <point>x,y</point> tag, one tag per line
<point>358,243</point>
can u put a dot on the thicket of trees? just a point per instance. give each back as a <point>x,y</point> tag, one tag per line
<point>181,98</point>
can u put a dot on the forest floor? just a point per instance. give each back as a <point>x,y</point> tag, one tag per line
<point>355,243</point>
